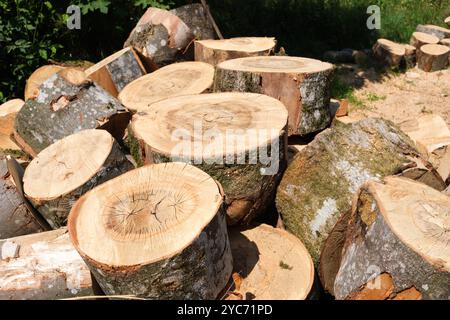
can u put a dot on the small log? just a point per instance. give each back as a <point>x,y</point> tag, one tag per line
<point>8,113</point>
<point>217,51</point>
<point>116,71</point>
<point>37,78</point>
<point>399,229</point>
<point>445,42</point>
<point>42,266</point>
<point>67,169</point>
<point>157,232</point>
<point>441,33</point>
<point>272,264</point>
<point>433,57</point>
<point>171,81</point>
<point>419,39</point>
<point>240,139</point>
<point>67,103</point>
<point>389,52</point>
<point>410,56</point>
<point>196,18</point>
<point>303,85</point>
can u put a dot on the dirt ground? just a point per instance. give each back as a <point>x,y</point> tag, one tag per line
<point>398,96</point>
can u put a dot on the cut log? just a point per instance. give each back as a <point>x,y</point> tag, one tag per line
<point>398,228</point>
<point>318,186</point>
<point>8,112</point>
<point>272,264</point>
<point>419,39</point>
<point>433,57</point>
<point>410,56</point>
<point>447,21</point>
<point>217,51</point>
<point>37,78</point>
<point>196,18</point>
<point>171,81</point>
<point>67,169</point>
<point>445,42</point>
<point>240,139</point>
<point>389,52</point>
<point>116,71</point>
<point>15,218</point>
<point>42,266</point>
<point>157,232</point>
<point>303,85</point>
<point>437,31</point>
<point>67,103</point>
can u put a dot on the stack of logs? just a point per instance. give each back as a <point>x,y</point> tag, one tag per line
<point>150,176</point>
<point>429,48</point>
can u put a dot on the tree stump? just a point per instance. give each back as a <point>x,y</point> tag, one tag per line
<point>433,57</point>
<point>8,113</point>
<point>389,52</point>
<point>67,103</point>
<point>116,71</point>
<point>217,51</point>
<point>171,81</point>
<point>410,56</point>
<point>67,169</point>
<point>398,228</point>
<point>303,85</point>
<point>196,18</point>
<point>42,266</point>
<point>157,232</point>
<point>437,31</point>
<point>37,78</point>
<point>318,186</point>
<point>419,39</point>
<point>271,263</point>
<point>237,138</point>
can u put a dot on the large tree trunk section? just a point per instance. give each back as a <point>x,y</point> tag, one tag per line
<point>303,85</point>
<point>433,57</point>
<point>15,218</point>
<point>157,232</point>
<point>8,113</point>
<point>67,103</point>
<point>63,172</point>
<point>398,228</point>
<point>196,18</point>
<point>441,33</point>
<point>419,39</point>
<point>42,266</point>
<point>318,186</point>
<point>37,78</point>
<point>171,81</point>
<point>240,139</point>
<point>160,37</point>
<point>389,52</point>
<point>217,51</point>
<point>272,265</point>
<point>116,71</point>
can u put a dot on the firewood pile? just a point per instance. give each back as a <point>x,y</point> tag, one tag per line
<point>150,175</point>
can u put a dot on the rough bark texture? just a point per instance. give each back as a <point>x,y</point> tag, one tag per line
<point>15,218</point>
<point>248,193</point>
<point>319,184</point>
<point>200,271</point>
<point>437,31</point>
<point>42,266</point>
<point>63,108</point>
<point>195,17</point>
<point>383,51</point>
<point>306,96</point>
<point>371,249</point>
<point>432,62</point>
<point>410,56</point>
<point>56,211</point>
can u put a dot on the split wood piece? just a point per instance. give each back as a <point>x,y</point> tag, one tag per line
<point>433,57</point>
<point>437,31</point>
<point>426,127</point>
<point>439,156</point>
<point>196,18</point>
<point>67,169</point>
<point>419,39</point>
<point>171,81</point>
<point>401,228</point>
<point>67,103</point>
<point>217,51</point>
<point>8,112</point>
<point>240,139</point>
<point>15,218</point>
<point>37,78</point>
<point>116,71</point>
<point>42,266</point>
<point>303,85</point>
<point>160,37</point>
<point>339,108</point>
<point>272,264</point>
<point>445,42</point>
<point>447,21</point>
<point>157,232</point>
<point>311,203</point>
<point>389,52</point>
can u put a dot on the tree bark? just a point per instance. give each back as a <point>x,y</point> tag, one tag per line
<point>389,52</point>
<point>441,33</point>
<point>37,78</point>
<point>67,103</point>
<point>195,17</point>
<point>433,57</point>
<point>387,237</point>
<point>303,85</point>
<point>419,39</point>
